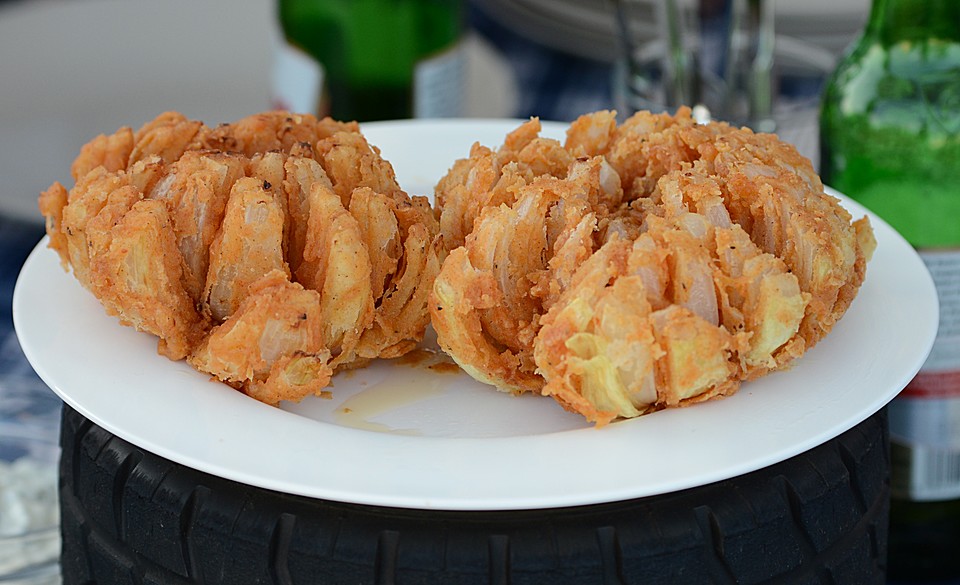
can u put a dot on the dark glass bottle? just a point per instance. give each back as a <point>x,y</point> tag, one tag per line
<point>370,59</point>
<point>890,138</point>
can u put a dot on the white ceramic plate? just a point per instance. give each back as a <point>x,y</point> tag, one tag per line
<point>405,435</point>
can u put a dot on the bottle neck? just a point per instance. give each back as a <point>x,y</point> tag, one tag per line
<point>892,21</point>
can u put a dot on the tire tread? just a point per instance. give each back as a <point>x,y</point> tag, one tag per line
<point>132,518</point>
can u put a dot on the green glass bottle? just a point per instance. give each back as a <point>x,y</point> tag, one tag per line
<point>370,59</point>
<point>890,138</point>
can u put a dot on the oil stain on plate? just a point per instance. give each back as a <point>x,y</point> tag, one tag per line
<point>416,382</point>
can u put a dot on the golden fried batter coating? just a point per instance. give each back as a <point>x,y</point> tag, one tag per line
<point>110,152</point>
<point>248,246</point>
<point>272,346</point>
<point>268,252</point>
<point>671,261</point>
<point>139,279</point>
<point>51,204</point>
<point>351,162</point>
<point>264,132</point>
<point>336,262</point>
<point>406,251</point>
<point>489,179</point>
<point>196,188</point>
<point>168,136</point>
<point>637,266</point>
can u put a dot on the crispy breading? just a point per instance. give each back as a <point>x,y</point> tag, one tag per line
<point>195,189</point>
<point>272,346</point>
<point>110,152</point>
<point>336,263</point>
<point>248,245</point>
<point>490,178</point>
<point>352,162</point>
<point>51,204</point>
<point>673,261</point>
<point>193,234</point>
<point>139,279</point>
<point>168,136</point>
<point>261,133</point>
<point>652,264</point>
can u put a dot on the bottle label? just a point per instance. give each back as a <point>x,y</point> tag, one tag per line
<point>925,417</point>
<point>297,80</point>
<point>438,85</point>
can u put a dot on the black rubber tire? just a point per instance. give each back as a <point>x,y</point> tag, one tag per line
<point>130,517</point>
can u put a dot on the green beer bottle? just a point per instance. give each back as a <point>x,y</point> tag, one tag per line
<point>890,138</point>
<point>370,59</point>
